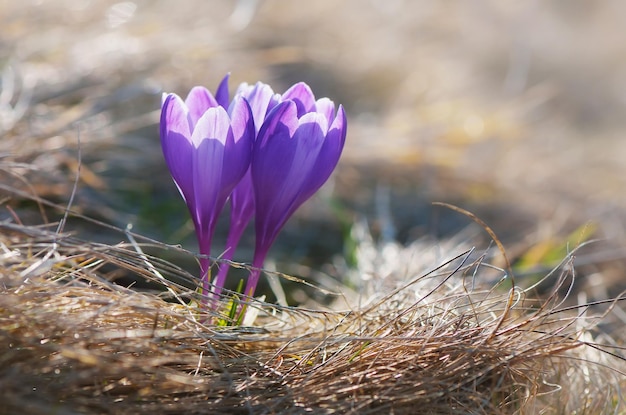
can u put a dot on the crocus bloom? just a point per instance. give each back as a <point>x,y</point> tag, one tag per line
<point>207,148</point>
<point>296,150</point>
<point>261,99</point>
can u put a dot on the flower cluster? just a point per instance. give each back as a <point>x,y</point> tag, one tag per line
<point>267,153</point>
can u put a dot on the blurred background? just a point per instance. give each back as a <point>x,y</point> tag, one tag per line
<point>511,110</point>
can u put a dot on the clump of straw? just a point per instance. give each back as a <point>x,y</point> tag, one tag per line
<point>433,341</point>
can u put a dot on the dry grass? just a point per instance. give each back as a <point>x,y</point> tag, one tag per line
<point>441,342</point>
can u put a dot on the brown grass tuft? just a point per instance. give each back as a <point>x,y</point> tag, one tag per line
<point>439,343</point>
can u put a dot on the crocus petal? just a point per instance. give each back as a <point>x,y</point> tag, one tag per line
<point>174,116</point>
<point>242,201</point>
<point>207,164</point>
<point>281,170</point>
<point>261,98</point>
<point>327,107</point>
<point>239,146</point>
<point>329,154</point>
<point>207,174</point>
<point>236,162</point>
<point>309,139</point>
<point>283,116</point>
<point>273,154</point>
<point>199,101</point>
<point>176,144</point>
<point>241,118</point>
<point>222,94</point>
<point>290,166</point>
<point>213,124</point>
<point>302,95</point>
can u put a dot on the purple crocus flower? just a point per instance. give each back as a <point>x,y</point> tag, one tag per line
<point>207,148</point>
<point>261,99</point>
<point>295,152</point>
